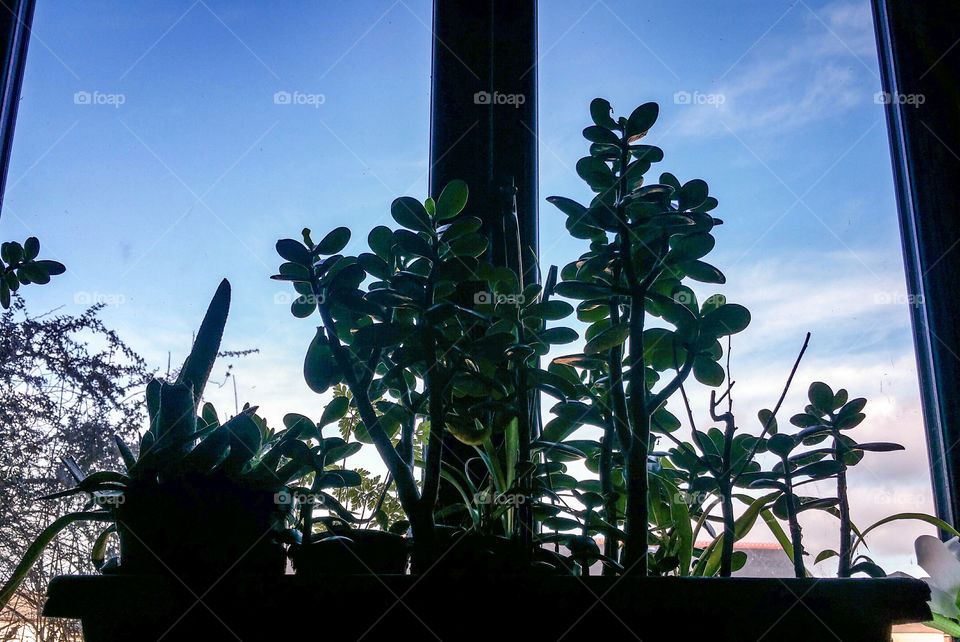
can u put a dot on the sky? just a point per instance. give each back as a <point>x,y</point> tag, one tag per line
<point>154,156</point>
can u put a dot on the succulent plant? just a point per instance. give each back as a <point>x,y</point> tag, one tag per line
<point>181,453</point>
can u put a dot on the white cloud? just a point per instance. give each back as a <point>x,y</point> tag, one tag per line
<point>788,81</point>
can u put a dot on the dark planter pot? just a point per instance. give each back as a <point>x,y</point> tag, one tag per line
<point>352,553</point>
<point>519,607</point>
<point>199,526</point>
<point>465,553</point>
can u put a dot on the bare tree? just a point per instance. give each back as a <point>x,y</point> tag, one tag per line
<point>68,384</point>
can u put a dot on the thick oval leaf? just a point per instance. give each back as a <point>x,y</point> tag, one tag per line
<point>413,243</point>
<point>600,112</point>
<point>381,240</point>
<point>557,336</point>
<point>821,396</point>
<point>727,319</point>
<point>641,120</point>
<point>452,199</point>
<point>879,447</point>
<point>582,290</point>
<point>319,366</point>
<point>707,371</point>
<point>568,206</point>
<point>692,194</point>
<point>333,242</point>
<point>378,335</point>
<point>597,134</point>
<point>336,409</point>
<point>703,272</point>
<point>31,248</point>
<point>781,444</point>
<point>612,336</point>
<point>596,173</point>
<point>410,213</point>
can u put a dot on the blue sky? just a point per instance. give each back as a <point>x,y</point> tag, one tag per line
<point>182,169</point>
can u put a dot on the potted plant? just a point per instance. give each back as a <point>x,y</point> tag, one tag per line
<point>430,339</point>
<point>200,499</point>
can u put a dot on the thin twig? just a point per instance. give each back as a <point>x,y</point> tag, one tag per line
<point>773,415</point>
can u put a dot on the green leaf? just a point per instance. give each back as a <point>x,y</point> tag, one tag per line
<point>333,242</point>
<point>452,199</point>
<point>31,248</point>
<point>378,335</point>
<point>336,409</point>
<point>821,397</point>
<point>825,555</point>
<point>381,241</point>
<point>413,243</point>
<point>767,420</point>
<point>581,361</point>
<point>53,268</point>
<point>196,369</point>
<point>303,306</point>
<point>641,120</point>
<point>707,371</point>
<point>548,310</point>
<point>879,447</point>
<point>557,336</point>
<point>690,247</point>
<point>600,112</point>
<point>597,134</point>
<point>727,319</point>
<point>820,469</point>
<point>294,251</point>
<point>922,517</point>
<point>33,272</point>
<point>410,213</point>
<point>567,206</point>
<point>692,194</point>
<point>319,367</point>
<point>596,173</point>
<point>780,444</point>
<point>469,245</point>
<point>582,290</point>
<point>703,272</point>
<point>612,336</point>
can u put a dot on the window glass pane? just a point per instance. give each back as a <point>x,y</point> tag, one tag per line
<point>163,146</point>
<point>774,105</point>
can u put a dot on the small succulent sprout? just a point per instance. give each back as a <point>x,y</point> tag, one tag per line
<point>19,266</point>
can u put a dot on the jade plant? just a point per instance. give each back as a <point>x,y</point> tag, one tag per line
<point>425,337</point>
<point>19,266</point>
<point>646,240</point>
<point>187,457</point>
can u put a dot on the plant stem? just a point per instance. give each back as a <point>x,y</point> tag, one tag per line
<point>846,552</point>
<point>725,486</point>
<point>635,549</point>
<point>406,485</point>
<point>773,415</point>
<point>796,539</point>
